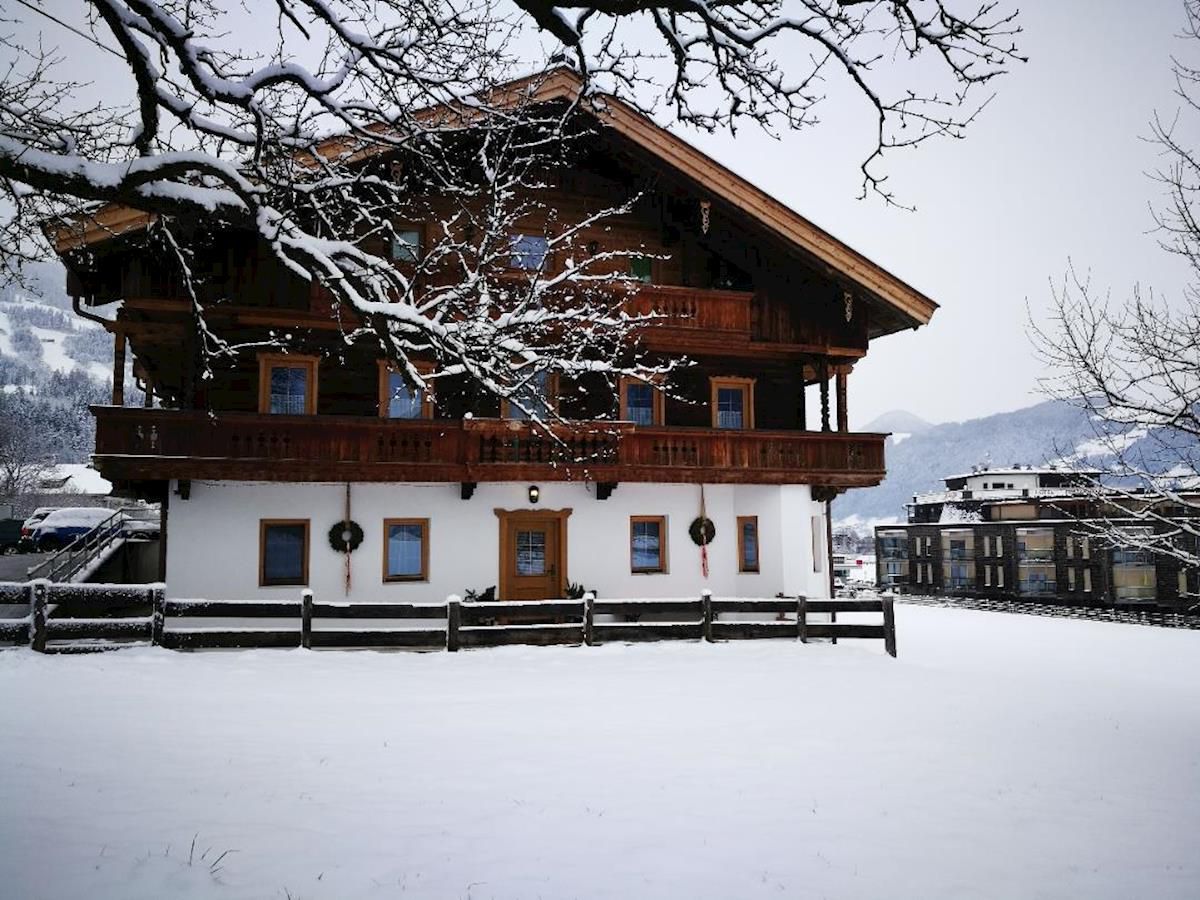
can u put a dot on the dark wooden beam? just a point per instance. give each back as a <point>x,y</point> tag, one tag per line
<point>466,489</point>
<point>843,414</point>
<point>118,381</point>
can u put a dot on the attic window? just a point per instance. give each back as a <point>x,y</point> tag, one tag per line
<point>528,252</point>
<point>406,245</point>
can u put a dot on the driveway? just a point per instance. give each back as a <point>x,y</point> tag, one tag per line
<point>14,567</point>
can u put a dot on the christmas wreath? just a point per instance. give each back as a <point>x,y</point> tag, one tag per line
<point>702,531</point>
<point>345,536</point>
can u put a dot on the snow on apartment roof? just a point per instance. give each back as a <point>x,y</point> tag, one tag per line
<point>1024,470</point>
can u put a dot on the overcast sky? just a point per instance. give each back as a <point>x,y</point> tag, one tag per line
<point>1053,171</point>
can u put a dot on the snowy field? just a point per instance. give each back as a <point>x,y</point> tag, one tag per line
<point>1000,756</point>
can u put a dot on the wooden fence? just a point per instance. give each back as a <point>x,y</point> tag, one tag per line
<point>65,618</point>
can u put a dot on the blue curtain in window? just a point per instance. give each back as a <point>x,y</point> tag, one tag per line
<point>289,390</point>
<point>730,402</point>
<point>646,550</point>
<point>528,251</point>
<point>283,554</point>
<point>639,404</point>
<point>403,401</point>
<point>404,546</point>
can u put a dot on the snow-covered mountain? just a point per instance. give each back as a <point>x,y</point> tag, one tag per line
<point>920,455</point>
<point>53,364</point>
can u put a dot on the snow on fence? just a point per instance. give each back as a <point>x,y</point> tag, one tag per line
<point>78,617</point>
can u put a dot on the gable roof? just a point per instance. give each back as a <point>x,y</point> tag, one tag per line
<point>913,307</point>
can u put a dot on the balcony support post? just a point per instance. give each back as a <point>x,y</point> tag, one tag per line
<point>823,377</point>
<point>118,378</point>
<point>843,414</point>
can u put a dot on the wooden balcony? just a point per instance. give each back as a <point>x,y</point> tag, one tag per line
<point>723,312</point>
<point>155,445</point>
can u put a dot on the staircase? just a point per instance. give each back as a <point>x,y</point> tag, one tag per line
<point>85,554</point>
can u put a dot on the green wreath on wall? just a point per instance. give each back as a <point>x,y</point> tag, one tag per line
<point>345,536</point>
<point>702,531</point>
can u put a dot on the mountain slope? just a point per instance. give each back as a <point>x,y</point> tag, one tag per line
<point>1037,434</point>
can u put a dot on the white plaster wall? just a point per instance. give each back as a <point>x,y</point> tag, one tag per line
<point>212,544</point>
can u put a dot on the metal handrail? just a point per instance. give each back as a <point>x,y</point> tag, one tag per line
<point>68,561</point>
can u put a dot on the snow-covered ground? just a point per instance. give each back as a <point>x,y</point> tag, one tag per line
<point>999,756</point>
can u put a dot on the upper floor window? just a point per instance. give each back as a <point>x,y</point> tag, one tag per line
<point>287,384</point>
<point>733,402</point>
<point>528,251</point>
<point>641,268</point>
<point>641,402</point>
<point>283,552</point>
<point>406,245</point>
<point>532,398</point>
<point>398,399</point>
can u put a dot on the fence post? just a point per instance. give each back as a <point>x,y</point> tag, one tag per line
<point>158,616</point>
<point>306,617</point>
<point>889,626</point>
<point>453,620</point>
<point>37,628</point>
<point>706,603</point>
<point>802,619</point>
<point>589,618</point>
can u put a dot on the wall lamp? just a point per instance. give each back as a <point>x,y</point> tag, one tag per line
<point>535,492</point>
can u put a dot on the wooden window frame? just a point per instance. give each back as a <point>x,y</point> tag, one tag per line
<point>263,525</point>
<point>663,559</point>
<point>404,579</point>
<point>386,368</point>
<point>269,361</point>
<point>658,411</point>
<point>552,389</point>
<point>746,385</point>
<point>742,521</point>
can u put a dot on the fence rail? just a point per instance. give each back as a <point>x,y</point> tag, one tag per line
<point>99,621</point>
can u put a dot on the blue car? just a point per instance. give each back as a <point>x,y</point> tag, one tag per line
<point>63,526</point>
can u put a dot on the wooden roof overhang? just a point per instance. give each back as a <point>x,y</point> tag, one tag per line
<point>896,305</point>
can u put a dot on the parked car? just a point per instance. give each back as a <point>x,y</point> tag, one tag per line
<point>10,535</point>
<point>63,526</point>
<point>26,542</point>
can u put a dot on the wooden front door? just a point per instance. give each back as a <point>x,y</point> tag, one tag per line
<point>532,555</point>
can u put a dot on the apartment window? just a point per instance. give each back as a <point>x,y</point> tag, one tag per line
<point>1087,581</point>
<point>987,576</point>
<point>538,393</point>
<point>282,552</point>
<point>747,543</point>
<point>405,549</point>
<point>528,252</point>
<point>999,545</point>
<point>920,574</point>
<point>733,402</point>
<point>641,268</point>
<point>641,403</point>
<point>987,545</point>
<point>398,400</point>
<point>1085,548</point>
<point>1070,547</point>
<point>287,384</point>
<point>647,544</point>
<point>1071,580</point>
<point>999,576</point>
<point>406,245</point>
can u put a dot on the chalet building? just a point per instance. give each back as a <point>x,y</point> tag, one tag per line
<point>454,491</point>
<point>1022,533</point>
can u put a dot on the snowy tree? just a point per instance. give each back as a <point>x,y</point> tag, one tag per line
<point>357,108</point>
<point>1134,366</point>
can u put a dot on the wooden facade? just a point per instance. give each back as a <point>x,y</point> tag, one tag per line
<point>754,295</point>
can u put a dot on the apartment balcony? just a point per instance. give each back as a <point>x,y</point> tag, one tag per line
<point>156,444</point>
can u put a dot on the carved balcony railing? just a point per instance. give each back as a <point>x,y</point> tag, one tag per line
<point>156,444</point>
